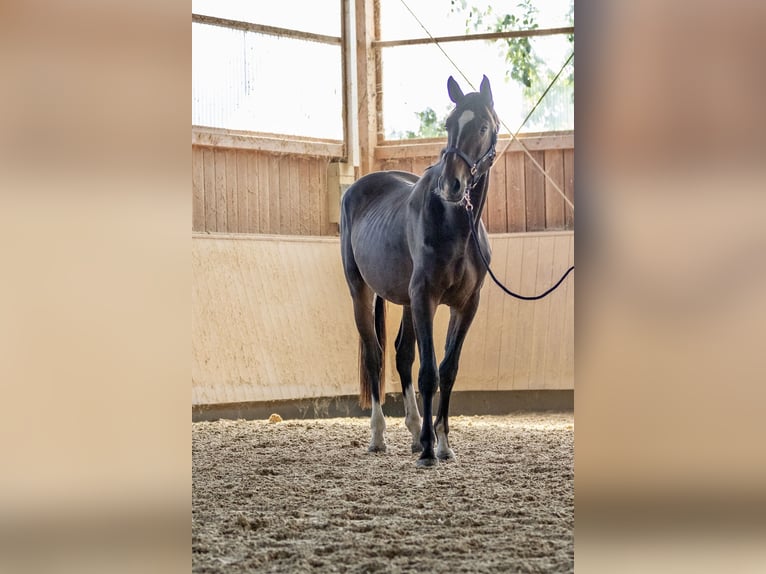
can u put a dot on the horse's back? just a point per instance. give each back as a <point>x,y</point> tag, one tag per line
<point>381,187</point>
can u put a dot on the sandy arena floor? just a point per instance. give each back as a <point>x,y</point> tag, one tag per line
<point>300,496</point>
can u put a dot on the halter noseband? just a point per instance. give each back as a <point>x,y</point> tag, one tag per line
<point>477,168</point>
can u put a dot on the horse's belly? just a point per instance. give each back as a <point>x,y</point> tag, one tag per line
<point>387,275</point>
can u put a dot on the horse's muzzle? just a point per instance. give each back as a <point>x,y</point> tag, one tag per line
<point>451,189</point>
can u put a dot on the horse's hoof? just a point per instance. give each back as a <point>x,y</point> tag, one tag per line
<point>376,448</point>
<point>416,448</point>
<point>448,454</point>
<point>426,462</point>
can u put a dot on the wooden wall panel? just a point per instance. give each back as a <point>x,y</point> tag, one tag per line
<point>534,191</point>
<point>554,204</point>
<point>569,186</point>
<point>198,189</point>
<point>516,203</point>
<point>247,190</point>
<point>272,320</point>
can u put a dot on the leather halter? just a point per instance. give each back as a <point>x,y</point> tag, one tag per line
<point>480,166</point>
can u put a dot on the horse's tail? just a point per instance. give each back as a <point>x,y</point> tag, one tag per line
<point>365,384</point>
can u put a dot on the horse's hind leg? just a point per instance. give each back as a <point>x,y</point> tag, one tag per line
<point>371,363</point>
<point>405,356</point>
<point>460,321</point>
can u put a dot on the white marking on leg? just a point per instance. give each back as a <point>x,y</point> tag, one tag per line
<point>412,418</point>
<point>443,450</point>
<point>378,426</point>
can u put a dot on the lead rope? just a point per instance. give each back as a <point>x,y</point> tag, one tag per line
<point>472,224</point>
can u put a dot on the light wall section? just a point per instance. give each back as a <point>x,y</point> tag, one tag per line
<point>272,320</point>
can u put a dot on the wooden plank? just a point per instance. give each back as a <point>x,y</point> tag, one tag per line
<point>220,190</point>
<point>270,143</point>
<point>268,30</point>
<point>534,187</point>
<point>569,186</point>
<point>198,190</point>
<point>510,333</point>
<point>567,359</point>
<point>553,367</point>
<point>367,93</point>
<point>314,193</point>
<point>497,200</point>
<point>516,203</point>
<point>243,207</point>
<point>492,302</point>
<point>542,309</point>
<point>293,194</point>
<point>401,164</point>
<point>208,160</point>
<point>274,195</point>
<point>522,374</point>
<point>304,195</point>
<point>325,225</point>
<point>432,147</point>
<point>285,206</point>
<point>253,206</point>
<point>264,217</point>
<point>480,36</point>
<point>231,192</point>
<point>554,203</point>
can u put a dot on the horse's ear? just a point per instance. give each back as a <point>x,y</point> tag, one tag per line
<point>454,91</point>
<point>485,90</point>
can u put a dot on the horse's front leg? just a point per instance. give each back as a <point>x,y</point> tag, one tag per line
<point>423,309</point>
<point>459,323</point>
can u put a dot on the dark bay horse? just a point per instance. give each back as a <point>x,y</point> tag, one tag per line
<point>406,240</point>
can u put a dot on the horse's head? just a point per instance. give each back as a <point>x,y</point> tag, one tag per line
<point>471,136</point>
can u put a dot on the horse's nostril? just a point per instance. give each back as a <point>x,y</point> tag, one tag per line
<point>456,186</point>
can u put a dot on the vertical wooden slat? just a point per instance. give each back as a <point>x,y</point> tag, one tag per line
<point>315,215</point>
<point>253,202</point>
<point>569,186</point>
<point>208,160</point>
<point>326,227</point>
<point>516,203</point>
<point>558,299</point>
<point>492,300</point>
<point>511,332</point>
<point>293,194</point>
<point>220,190</point>
<point>304,195</point>
<point>231,191</point>
<point>567,361</point>
<point>542,310</point>
<point>534,183</point>
<point>497,200</point>
<point>554,204</point>
<point>525,317</point>
<point>367,96</point>
<point>263,166</point>
<point>274,195</point>
<point>198,190</point>
<point>285,204</point>
<point>243,207</point>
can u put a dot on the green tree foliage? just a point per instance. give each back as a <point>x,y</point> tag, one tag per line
<point>525,66</point>
<point>431,126</point>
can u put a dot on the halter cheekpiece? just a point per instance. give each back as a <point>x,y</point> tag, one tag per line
<point>478,168</point>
